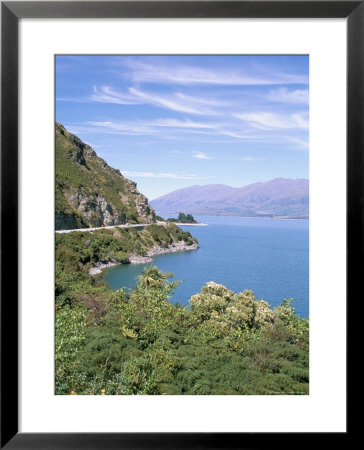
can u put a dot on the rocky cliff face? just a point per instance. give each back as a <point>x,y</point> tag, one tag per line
<point>91,193</point>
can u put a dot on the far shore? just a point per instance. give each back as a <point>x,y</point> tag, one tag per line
<point>267,218</point>
<point>198,224</point>
<point>242,217</point>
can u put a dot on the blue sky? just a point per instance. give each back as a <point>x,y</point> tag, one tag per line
<point>169,122</point>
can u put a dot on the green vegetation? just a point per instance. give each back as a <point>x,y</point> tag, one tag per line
<point>91,193</point>
<point>80,250</point>
<point>117,342</point>
<point>183,218</point>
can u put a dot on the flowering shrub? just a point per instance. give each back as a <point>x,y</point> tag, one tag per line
<point>139,343</point>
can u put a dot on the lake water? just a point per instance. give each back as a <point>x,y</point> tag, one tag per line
<point>268,256</point>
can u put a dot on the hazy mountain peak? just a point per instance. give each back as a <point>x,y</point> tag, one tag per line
<point>280,197</point>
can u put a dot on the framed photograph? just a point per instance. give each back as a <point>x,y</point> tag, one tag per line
<point>181,221</point>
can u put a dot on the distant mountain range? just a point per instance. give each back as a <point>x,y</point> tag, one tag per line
<point>281,197</point>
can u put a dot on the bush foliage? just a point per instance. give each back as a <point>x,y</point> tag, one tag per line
<point>126,343</point>
<point>78,250</point>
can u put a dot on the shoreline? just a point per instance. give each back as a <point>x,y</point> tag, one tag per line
<point>192,224</point>
<point>243,217</point>
<point>175,247</point>
<point>135,225</point>
<point>99,267</point>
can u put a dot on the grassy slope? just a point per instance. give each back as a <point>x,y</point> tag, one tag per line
<point>116,244</point>
<point>79,169</point>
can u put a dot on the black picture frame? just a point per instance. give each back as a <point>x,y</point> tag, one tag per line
<point>11,12</point>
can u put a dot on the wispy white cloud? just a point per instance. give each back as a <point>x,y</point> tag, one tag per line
<point>285,95</point>
<point>73,130</point>
<point>72,99</point>
<point>175,102</point>
<point>174,123</point>
<point>236,134</point>
<point>201,101</point>
<point>236,116</point>
<point>201,155</point>
<point>127,128</point>
<point>152,127</point>
<point>106,94</point>
<point>269,121</point>
<point>301,119</point>
<point>299,143</point>
<point>141,71</point>
<point>180,130</point>
<point>248,158</point>
<point>177,176</point>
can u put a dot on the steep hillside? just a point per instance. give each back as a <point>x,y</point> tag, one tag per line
<point>91,193</point>
<point>276,198</point>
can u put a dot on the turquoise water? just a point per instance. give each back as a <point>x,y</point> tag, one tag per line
<point>268,256</point>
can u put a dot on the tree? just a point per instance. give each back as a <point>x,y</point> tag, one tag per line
<point>152,277</point>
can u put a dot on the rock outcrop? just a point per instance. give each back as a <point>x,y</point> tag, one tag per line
<point>138,259</point>
<point>91,193</point>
